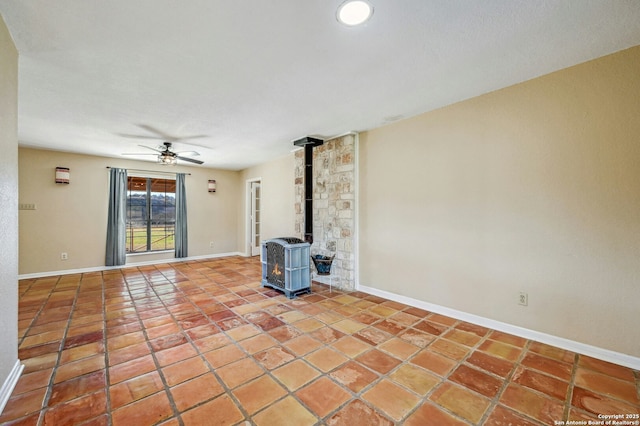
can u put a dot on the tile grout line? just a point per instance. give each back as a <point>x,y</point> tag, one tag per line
<point>107,374</point>
<point>288,393</point>
<point>191,342</point>
<point>448,375</point>
<point>507,381</point>
<point>37,314</point>
<point>425,398</point>
<point>368,387</point>
<point>358,395</point>
<point>176,412</point>
<point>47,397</point>
<point>569,394</point>
<point>458,364</point>
<point>292,393</point>
<point>53,371</point>
<point>238,345</point>
<point>21,295</point>
<point>637,375</point>
<point>353,395</point>
<point>228,391</point>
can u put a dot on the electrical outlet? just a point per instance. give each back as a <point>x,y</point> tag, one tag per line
<point>64,256</point>
<point>523,299</point>
<point>210,244</point>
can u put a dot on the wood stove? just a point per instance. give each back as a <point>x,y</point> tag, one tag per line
<point>286,265</point>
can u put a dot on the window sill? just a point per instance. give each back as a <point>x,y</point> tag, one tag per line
<point>150,253</point>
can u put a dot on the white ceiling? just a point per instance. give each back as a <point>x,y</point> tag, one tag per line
<point>245,78</point>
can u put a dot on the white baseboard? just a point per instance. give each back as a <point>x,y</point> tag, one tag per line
<point>560,342</point>
<point>10,384</point>
<point>128,265</point>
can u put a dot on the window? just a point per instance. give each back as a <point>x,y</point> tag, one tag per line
<point>151,214</point>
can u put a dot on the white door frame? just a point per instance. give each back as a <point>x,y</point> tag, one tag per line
<point>248,213</point>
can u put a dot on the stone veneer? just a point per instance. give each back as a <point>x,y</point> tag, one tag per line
<point>333,205</point>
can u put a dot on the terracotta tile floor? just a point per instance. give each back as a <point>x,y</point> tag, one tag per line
<point>201,343</point>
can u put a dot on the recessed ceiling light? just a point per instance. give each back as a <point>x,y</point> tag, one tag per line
<point>354,12</point>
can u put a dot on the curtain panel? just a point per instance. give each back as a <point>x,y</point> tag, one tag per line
<point>116,219</point>
<point>181,240</point>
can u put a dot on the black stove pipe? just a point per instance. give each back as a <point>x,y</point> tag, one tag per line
<point>308,143</point>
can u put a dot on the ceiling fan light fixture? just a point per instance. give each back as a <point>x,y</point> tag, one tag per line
<point>167,160</point>
<point>354,12</point>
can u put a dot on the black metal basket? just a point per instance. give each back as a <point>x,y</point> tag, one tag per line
<point>322,263</point>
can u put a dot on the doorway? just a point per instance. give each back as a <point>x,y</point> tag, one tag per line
<point>254,217</point>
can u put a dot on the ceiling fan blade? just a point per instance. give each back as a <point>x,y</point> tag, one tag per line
<point>154,149</point>
<point>159,133</point>
<point>138,153</point>
<point>188,153</point>
<point>191,160</point>
<point>184,138</point>
<point>132,136</point>
<point>166,136</point>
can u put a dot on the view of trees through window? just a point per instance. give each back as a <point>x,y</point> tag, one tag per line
<point>151,214</point>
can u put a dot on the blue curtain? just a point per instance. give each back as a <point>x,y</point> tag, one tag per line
<point>181,217</point>
<point>116,221</point>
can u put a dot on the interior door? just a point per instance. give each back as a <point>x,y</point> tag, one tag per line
<point>255,218</point>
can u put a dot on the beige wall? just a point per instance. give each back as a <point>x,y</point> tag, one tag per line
<point>532,188</point>
<point>73,218</point>
<point>8,206</point>
<point>277,187</point>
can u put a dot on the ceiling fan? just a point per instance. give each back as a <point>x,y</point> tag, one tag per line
<point>168,157</point>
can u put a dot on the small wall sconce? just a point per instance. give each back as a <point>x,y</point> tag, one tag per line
<point>62,175</point>
<point>212,185</point>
